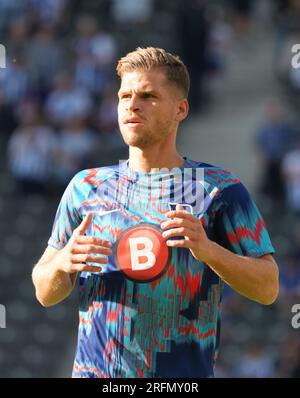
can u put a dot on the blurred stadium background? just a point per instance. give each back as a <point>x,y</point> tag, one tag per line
<point>58,115</point>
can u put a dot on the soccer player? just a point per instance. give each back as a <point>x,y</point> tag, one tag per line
<point>154,239</point>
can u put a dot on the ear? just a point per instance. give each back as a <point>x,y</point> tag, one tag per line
<point>182,109</point>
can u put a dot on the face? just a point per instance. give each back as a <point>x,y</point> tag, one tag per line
<point>150,108</point>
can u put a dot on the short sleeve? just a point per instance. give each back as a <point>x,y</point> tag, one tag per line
<point>66,218</point>
<point>239,225</point>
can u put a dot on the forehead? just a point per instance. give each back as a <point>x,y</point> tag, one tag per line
<point>144,80</point>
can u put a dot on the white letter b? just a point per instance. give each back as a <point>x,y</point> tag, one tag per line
<point>146,251</point>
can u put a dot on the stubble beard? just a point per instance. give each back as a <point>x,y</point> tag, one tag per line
<point>143,140</point>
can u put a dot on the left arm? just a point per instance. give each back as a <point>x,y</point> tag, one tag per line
<point>255,278</point>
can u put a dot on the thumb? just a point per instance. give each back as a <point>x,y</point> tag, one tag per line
<point>83,226</point>
<point>179,207</point>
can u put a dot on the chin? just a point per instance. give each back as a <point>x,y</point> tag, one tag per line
<point>140,139</point>
<point>134,140</point>
<point>137,143</point>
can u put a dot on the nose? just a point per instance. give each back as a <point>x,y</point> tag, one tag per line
<point>133,104</point>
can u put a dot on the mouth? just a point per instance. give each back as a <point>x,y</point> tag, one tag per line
<point>133,125</point>
<point>133,121</point>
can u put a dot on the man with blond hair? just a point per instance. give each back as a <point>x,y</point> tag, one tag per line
<point>154,239</point>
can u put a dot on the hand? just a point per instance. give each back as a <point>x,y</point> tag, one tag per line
<point>182,223</point>
<point>81,249</point>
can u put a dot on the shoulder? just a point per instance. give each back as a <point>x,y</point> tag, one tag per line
<point>216,176</point>
<point>83,188</point>
<point>92,178</point>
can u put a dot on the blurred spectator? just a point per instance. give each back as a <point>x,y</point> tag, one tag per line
<point>14,81</point>
<point>73,151</point>
<point>219,47</point>
<point>49,11</point>
<point>89,77</point>
<point>133,19</point>
<point>255,362</point>
<point>290,276</point>
<point>291,172</point>
<point>289,359</point>
<point>8,121</point>
<point>193,28</point>
<point>44,59</point>
<point>107,115</point>
<point>222,370</point>
<point>295,240</point>
<point>243,11</point>
<point>96,51</point>
<point>293,15</point>
<point>131,11</point>
<point>281,27</point>
<point>94,42</point>
<point>67,100</point>
<point>110,147</point>
<point>10,10</point>
<point>30,150</point>
<point>274,138</point>
<point>18,37</point>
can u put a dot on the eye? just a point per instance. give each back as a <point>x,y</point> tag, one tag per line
<point>125,96</point>
<point>147,95</point>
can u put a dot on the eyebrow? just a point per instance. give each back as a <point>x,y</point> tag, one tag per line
<point>140,92</point>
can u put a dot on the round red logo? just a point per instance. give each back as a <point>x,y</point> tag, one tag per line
<point>141,253</point>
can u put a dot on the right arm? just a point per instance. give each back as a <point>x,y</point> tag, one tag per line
<point>55,274</point>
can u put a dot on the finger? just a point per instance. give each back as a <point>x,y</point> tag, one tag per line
<point>81,249</point>
<point>82,228</point>
<point>187,233</point>
<point>81,267</point>
<point>180,214</point>
<point>179,207</point>
<point>86,258</point>
<point>180,243</point>
<point>92,240</point>
<point>176,222</point>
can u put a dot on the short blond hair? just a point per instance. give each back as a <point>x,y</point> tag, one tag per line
<point>146,59</point>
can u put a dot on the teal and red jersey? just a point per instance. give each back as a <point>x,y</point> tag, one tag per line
<point>168,326</point>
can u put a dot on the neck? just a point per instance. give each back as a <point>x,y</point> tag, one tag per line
<point>144,160</point>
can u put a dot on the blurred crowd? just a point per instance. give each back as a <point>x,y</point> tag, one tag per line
<point>278,137</point>
<point>58,91</point>
<point>58,102</point>
<point>272,348</point>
